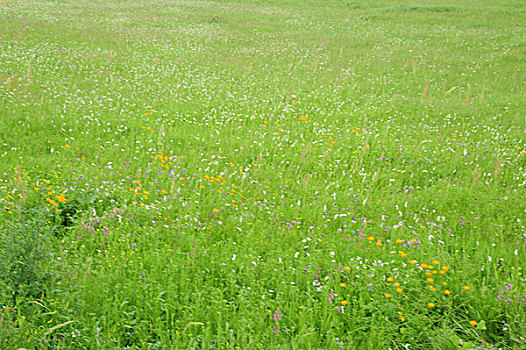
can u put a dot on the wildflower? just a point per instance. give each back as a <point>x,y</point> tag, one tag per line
<point>402,254</point>
<point>399,290</point>
<point>216,210</point>
<point>430,280</point>
<point>412,262</point>
<point>466,287</point>
<point>436,262</point>
<point>370,238</point>
<point>277,316</point>
<point>342,285</point>
<point>347,268</point>
<point>430,305</point>
<point>399,241</point>
<point>447,292</point>
<point>396,284</point>
<point>445,268</point>
<point>390,279</point>
<point>387,295</point>
<point>344,302</point>
<point>473,323</point>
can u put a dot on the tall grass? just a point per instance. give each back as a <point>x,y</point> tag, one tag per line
<point>255,174</point>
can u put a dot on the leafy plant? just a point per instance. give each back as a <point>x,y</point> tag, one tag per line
<point>25,256</point>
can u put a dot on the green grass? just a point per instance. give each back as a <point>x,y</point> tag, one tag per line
<point>262,174</point>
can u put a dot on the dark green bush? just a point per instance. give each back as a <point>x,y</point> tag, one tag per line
<point>25,256</point>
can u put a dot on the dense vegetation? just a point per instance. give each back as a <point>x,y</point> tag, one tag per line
<point>262,174</point>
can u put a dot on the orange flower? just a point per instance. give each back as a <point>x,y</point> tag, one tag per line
<point>387,295</point>
<point>412,262</point>
<point>399,290</point>
<point>466,287</point>
<point>344,302</point>
<point>430,305</point>
<point>390,279</point>
<point>396,284</point>
<point>430,280</point>
<point>436,262</point>
<point>447,292</point>
<point>342,285</point>
<point>473,323</point>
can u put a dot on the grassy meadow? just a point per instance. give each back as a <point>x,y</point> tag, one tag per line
<point>262,174</point>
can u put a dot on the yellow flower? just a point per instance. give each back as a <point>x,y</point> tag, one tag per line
<point>447,292</point>
<point>370,238</point>
<point>412,262</point>
<point>216,210</point>
<point>399,290</point>
<point>378,243</point>
<point>433,289</point>
<point>473,323</point>
<point>466,287</point>
<point>402,254</point>
<point>430,280</point>
<point>347,268</point>
<point>390,279</point>
<point>342,285</point>
<point>424,265</point>
<point>430,305</point>
<point>396,284</point>
<point>399,241</point>
<point>445,268</point>
<point>387,295</point>
<point>436,262</point>
<point>344,302</point>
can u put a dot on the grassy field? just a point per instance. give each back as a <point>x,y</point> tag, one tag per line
<point>262,174</point>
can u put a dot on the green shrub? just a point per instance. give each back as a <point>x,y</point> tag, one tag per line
<point>25,256</point>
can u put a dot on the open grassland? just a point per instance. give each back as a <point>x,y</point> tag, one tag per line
<point>262,174</point>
